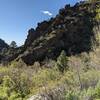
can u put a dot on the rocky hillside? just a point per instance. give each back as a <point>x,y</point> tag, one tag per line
<point>3,45</point>
<point>74,30</point>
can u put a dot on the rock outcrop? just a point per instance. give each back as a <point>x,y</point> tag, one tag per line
<point>3,45</point>
<point>3,48</point>
<point>71,30</point>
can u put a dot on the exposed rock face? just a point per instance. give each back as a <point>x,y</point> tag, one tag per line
<point>71,30</point>
<point>3,45</point>
<point>32,35</point>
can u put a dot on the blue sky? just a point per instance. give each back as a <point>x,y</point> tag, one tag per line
<point>18,16</point>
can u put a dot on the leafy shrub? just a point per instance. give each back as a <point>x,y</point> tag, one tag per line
<point>18,64</point>
<point>7,89</point>
<point>45,77</point>
<point>14,85</point>
<point>71,95</point>
<point>97,90</point>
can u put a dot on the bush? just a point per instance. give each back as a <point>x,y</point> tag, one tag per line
<point>97,90</point>
<point>7,89</point>
<point>71,95</point>
<point>18,64</point>
<point>62,62</point>
<point>14,85</point>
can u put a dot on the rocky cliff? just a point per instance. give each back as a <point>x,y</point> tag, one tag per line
<point>74,30</point>
<point>3,45</point>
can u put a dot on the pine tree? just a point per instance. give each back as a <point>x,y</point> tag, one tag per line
<point>13,44</point>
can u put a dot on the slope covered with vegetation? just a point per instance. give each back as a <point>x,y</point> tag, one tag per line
<point>80,79</point>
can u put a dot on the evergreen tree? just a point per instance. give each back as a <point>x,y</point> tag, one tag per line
<point>13,44</point>
<point>62,62</point>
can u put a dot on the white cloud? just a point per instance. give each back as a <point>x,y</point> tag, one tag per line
<point>47,12</point>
